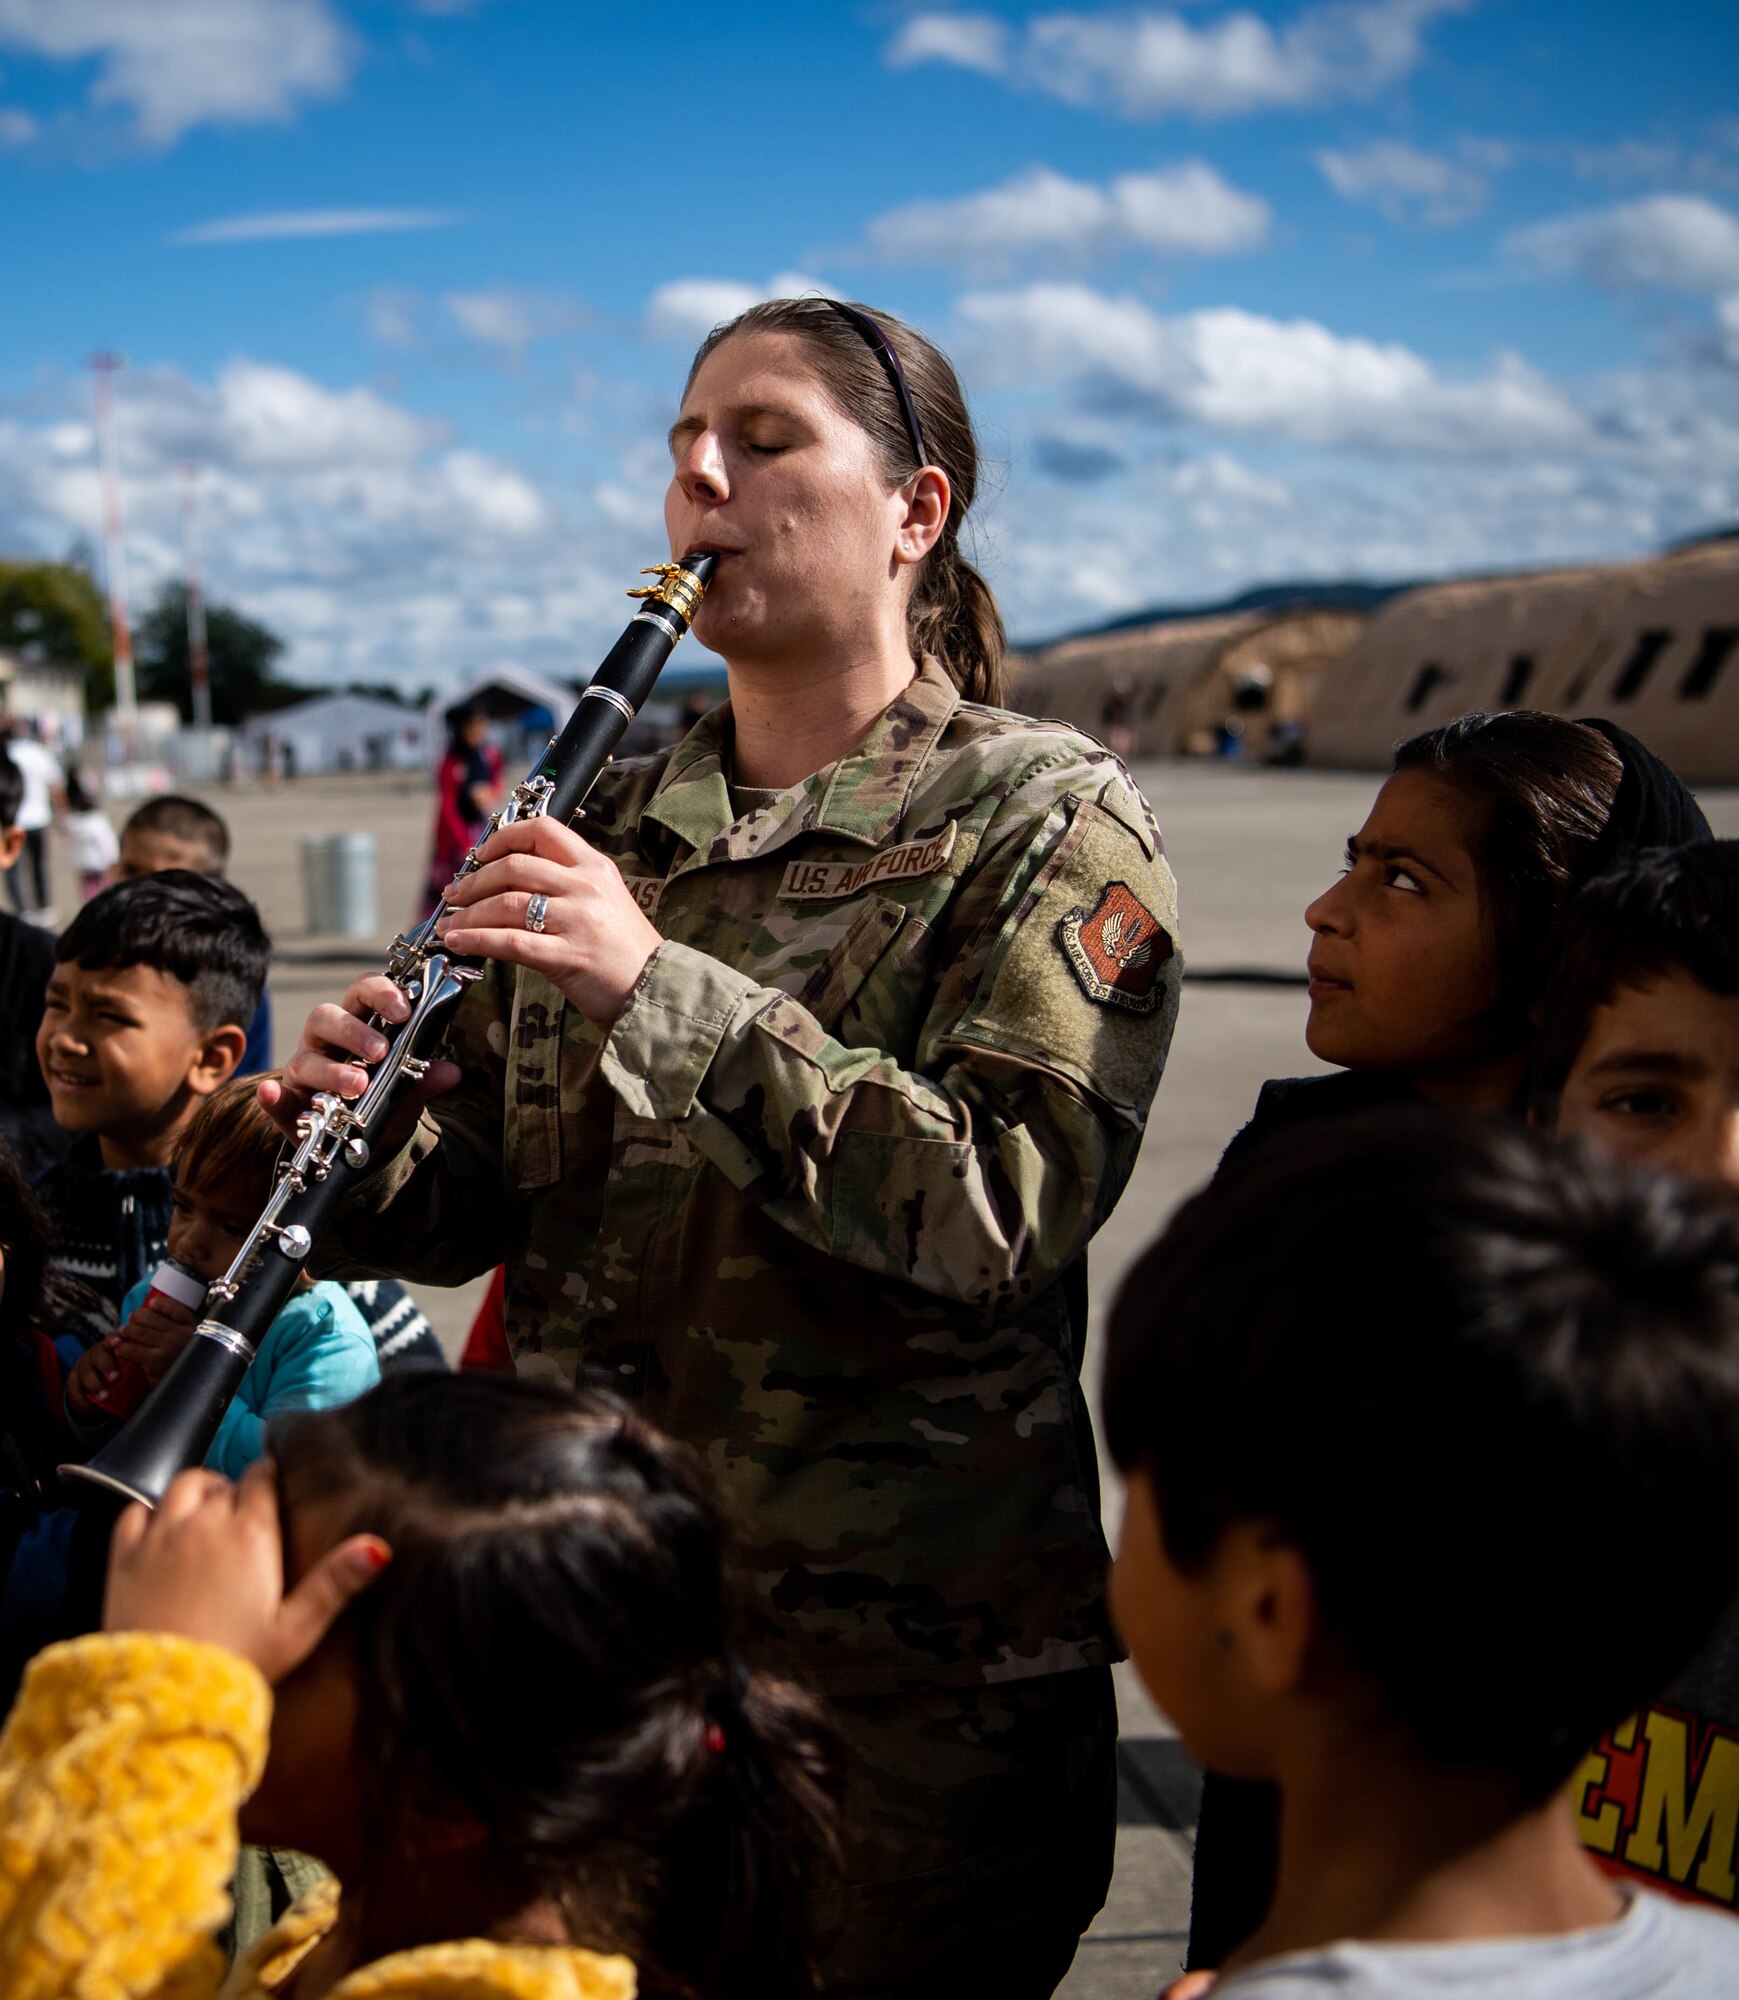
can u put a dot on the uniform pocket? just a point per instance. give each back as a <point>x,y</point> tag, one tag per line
<point>828,988</point>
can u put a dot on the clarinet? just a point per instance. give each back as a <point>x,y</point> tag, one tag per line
<point>173,1428</point>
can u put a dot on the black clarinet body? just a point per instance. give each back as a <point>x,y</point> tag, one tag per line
<point>173,1428</point>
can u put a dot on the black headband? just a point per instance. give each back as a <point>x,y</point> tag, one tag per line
<point>884,349</point>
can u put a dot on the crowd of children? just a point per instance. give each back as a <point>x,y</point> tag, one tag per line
<point>1428,1407</point>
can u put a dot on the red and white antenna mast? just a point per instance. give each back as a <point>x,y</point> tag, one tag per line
<point>103,367</point>
<point>197,655</point>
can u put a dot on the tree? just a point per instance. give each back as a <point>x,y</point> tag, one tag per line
<point>241,654</point>
<point>54,611</point>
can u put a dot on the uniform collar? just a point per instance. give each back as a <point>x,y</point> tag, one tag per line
<point>863,797</point>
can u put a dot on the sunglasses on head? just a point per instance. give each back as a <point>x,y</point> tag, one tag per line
<point>884,350</point>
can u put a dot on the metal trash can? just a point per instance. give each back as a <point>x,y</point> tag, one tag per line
<point>338,881</point>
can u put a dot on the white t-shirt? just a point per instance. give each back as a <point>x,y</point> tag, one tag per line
<point>40,769</point>
<point>92,841</point>
<point>1657,1950</point>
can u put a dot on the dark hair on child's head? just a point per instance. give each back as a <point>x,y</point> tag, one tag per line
<point>675,1801</point>
<point>1485,1383</point>
<point>184,819</point>
<point>230,1143</point>
<point>11,790</point>
<point>197,929</point>
<point>1539,790</point>
<point>78,793</point>
<point>1673,909</point>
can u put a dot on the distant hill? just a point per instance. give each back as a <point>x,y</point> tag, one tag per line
<point>1348,594</point>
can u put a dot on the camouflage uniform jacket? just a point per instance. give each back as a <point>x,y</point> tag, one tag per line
<point>819,1201</point>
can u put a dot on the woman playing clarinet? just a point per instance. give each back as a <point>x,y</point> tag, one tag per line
<point>806,1063</point>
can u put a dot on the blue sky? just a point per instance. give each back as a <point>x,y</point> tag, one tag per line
<point>1324,287</point>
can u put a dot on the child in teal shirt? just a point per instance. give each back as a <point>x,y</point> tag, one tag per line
<point>316,1354</point>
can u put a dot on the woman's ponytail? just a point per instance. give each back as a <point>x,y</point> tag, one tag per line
<point>954,617</point>
<point>739,1869</point>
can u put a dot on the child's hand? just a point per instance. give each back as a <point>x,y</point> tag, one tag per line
<point>209,1564</point>
<point>90,1375</point>
<point>158,1330</point>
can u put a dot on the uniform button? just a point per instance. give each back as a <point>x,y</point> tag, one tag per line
<point>625,1368</point>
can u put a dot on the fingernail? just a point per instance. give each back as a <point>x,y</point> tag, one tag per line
<point>375,1047</point>
<point>370,1559</point>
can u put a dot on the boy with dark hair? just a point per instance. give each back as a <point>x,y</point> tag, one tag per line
<point>1382,1479</point>
<point>1639,1054</point>
<point>177,832</point>
<point>144,1018</point>
<point>174,832</point>
<point>26,958</point>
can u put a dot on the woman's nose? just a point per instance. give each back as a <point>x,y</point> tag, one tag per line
<point>700,472</point>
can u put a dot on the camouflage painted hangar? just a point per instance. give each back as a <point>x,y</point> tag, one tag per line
<point>1653,644</point>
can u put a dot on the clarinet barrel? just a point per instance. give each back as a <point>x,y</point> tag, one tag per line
<point>173,1428</point>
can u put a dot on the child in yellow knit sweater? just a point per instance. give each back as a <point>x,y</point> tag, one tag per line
<point>472,1641</point>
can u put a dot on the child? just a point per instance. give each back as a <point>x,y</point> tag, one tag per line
<point>1423,973</point>
<point>90,836</point>
<point>26,959</point>
<point>1639,1054</point>
<point>177,832</point>
<point>634,1794</point>
<point>1383,1480</point>
<point>316,1354</point>
<point>143,1021</point>
<point>1427,950</point>
<point>174,832</point>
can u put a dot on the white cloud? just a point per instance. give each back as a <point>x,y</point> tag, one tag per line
<point>392,315</point>
<point>281,224</point>
<point>1404,184</point>
<point>1678,242</point>
<point>1186,209</point>
<point>1149,64</point>
<point>969,41</point>
<point>512,320</point>
<point>689,308</point>
<point>175,64</point>
<point>361,530</point>
<point>1238,372</point>
<point>1727,327</point>
<point>17,128</point>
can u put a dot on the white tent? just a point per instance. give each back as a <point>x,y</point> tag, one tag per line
<point>339,732</point>
<point>514,699</point>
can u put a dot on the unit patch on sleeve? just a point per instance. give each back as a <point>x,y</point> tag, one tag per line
<point>1117,949</point>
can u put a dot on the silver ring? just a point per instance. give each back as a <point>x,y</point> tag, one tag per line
<point>537,913</point>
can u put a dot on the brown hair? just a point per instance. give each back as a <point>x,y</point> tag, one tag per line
<point>186,820</point>
<point>952,613</point>
<point>1540,791</point>
<point>230,1143</point>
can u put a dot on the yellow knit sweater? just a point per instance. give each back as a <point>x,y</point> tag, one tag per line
<point>120,1773</point>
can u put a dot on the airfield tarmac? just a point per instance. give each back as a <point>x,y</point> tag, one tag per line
<point>1250,848</point>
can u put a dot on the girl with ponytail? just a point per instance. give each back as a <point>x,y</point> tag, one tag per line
<point>795,1113</point>
<point>485,1637</point>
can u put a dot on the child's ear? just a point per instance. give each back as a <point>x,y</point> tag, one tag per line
<point>220,1053</point>
<point>11,846</point>
<point>1267,1608</point>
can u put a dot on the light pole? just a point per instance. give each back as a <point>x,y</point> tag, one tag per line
<point>103,367</point>
<point>197,658</point>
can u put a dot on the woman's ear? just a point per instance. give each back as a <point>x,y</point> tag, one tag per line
<point>217,1060</point>
<point>927,502</point>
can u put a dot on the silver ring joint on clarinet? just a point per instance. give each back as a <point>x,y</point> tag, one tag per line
<point>173,1428</point>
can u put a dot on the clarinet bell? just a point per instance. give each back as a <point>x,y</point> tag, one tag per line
<point>171,1430</point>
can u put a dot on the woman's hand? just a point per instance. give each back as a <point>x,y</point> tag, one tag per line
<point>209,1565</point>
<point>334,1035</point>
<point>595,940</point>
